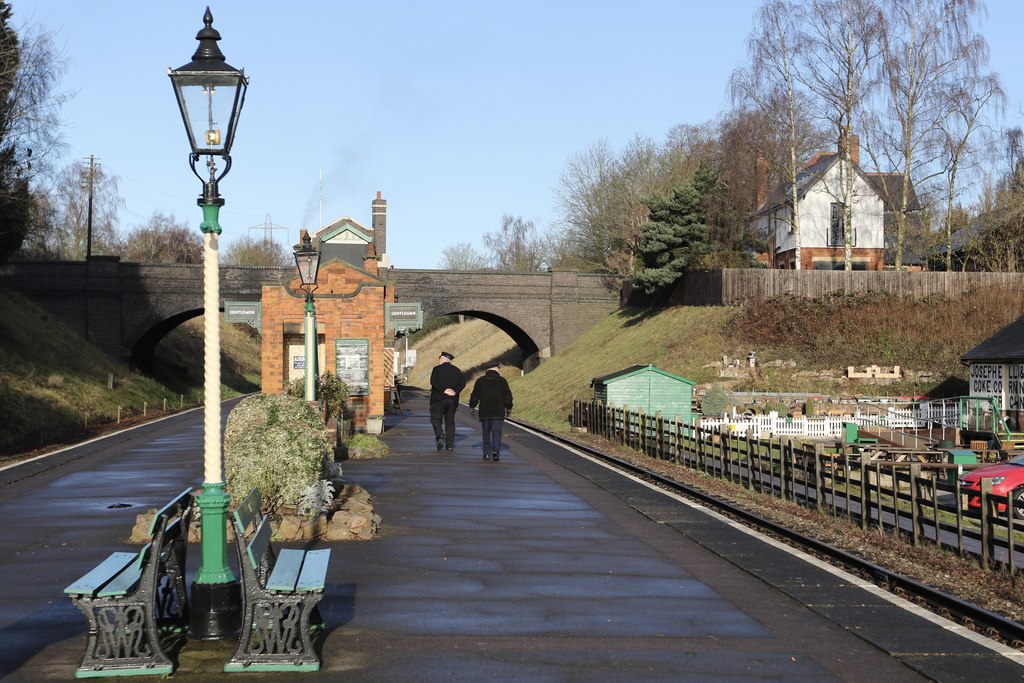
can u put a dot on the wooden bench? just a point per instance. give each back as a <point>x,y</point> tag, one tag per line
<point>132,600</point>
<point>280,592</point>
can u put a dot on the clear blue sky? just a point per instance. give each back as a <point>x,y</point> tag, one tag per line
<point>458,112</point>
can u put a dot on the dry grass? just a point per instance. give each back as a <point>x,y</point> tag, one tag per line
<point>54,386</point>
<point>924,335</point>
<point>474,343</point>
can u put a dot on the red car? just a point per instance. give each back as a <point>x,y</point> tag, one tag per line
<point>1007,480</point>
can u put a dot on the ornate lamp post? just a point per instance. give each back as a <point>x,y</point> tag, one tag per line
<point>210,95</point>
<point>307,259</point>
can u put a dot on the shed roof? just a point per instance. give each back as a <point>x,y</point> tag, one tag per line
<point>1006,345</point>
<point>634,370</point>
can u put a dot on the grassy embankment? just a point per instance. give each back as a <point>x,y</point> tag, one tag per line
<point>55,386</point>
<point>802,346</point>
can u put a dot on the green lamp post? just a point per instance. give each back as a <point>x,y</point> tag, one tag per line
<point>307,260</point>
<point>210,95</point>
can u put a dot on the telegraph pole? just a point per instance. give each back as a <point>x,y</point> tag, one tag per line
<point>87,181</point>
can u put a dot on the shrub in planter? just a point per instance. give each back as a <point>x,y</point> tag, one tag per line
<point>278,444</point>
<point>365,446</point>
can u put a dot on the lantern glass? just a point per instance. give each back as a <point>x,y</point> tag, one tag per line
<point>307,259</point>
<point>210,102</point>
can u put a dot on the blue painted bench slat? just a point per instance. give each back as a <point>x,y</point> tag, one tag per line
<point>280,592</point>
<point>286,570</point>
<point>132,599</point>
<point>101,574</point>
<point>314,571</point>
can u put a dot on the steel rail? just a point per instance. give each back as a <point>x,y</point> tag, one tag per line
<point>968,614</point>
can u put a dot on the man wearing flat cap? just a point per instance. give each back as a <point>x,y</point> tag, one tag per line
<point>446,382</point>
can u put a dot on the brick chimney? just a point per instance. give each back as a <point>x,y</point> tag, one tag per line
<point>854,147</point>
<point>760,182</point>
<point>380,224</point>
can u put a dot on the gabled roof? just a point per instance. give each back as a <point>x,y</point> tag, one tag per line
<point>884,184</point>
<point>889,187</point>
<point>344,229</point>
<point>808,175</point>
<point>1005,346</point>
<point>635,370</point>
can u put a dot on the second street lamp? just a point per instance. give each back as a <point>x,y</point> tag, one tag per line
<point>307,260</point>
<point>210,95</point>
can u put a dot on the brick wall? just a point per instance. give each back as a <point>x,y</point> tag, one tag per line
<point>349,305</point>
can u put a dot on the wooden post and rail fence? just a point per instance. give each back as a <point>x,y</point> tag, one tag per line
<point>903,492</point>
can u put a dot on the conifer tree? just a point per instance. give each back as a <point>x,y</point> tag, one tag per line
<point>674,239</point>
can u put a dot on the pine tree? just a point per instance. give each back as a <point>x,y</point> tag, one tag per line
<point>674,239</point>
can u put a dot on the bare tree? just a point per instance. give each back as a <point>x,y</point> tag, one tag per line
<point>462,256</point>
<point>967,101</point>
<point>65,231</point>
<point>928,48</point>
<point>585,201</point>
<point>516,246</point>
<point>29,127</point>
<point>162,239</point>
<point>840,43</point>
<point>249,250</point>
<point>770,84</point>
<point>601,202</point>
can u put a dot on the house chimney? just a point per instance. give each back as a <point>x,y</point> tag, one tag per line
<point>379,224</point>
<point>761,182</point>
<point>854,147</point>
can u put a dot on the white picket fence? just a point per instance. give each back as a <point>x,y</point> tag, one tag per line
<point>918,416</point>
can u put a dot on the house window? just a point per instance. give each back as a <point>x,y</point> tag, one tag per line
<point>835,233</point>
<point>836,228</point>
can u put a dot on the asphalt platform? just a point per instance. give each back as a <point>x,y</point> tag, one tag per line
<point>542,567</point>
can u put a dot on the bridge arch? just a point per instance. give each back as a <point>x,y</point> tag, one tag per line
<point>125,308</point>
<point>142,351</point>
<point>527,345</point>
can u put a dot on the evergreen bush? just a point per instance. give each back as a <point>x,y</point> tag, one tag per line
<point>715,402</point>
<point>330,390</point>
<point>278,444</point>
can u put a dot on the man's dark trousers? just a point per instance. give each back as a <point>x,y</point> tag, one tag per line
<point>491,428</point>
<point>443,412</point>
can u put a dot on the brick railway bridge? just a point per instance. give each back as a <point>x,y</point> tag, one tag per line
<point>127,308</point>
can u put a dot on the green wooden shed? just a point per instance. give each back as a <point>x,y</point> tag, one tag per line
<point>646,388</point>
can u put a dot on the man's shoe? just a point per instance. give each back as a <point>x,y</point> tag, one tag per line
<point>486,456</point>
<point>440,442</point>
<point>450,448</point>
<point>494,457</point>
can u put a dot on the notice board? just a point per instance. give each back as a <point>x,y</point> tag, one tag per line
<point>352,363</point>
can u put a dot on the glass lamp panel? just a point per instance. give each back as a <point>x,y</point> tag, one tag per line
<point>210,103</point>
<point>308,263</point>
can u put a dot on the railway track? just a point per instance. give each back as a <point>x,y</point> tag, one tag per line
<point>969,615</point>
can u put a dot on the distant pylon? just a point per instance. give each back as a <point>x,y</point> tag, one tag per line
<point>268,229</point>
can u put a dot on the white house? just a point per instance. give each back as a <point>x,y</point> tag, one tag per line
<point>820,198</point>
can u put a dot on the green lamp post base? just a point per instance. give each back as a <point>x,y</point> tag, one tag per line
<point>215,609</point>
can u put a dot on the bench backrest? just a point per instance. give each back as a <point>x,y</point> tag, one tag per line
<point>252,527</point>
<point>178,508</point>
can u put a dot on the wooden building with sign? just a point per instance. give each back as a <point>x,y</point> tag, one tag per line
<point>996,369</point>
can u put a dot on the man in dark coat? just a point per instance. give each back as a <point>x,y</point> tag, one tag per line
<point>446,382</point>
<point>492,394</point>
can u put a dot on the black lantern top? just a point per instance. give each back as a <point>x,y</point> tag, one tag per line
<point>307,259</point>
<point>210,95</point>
